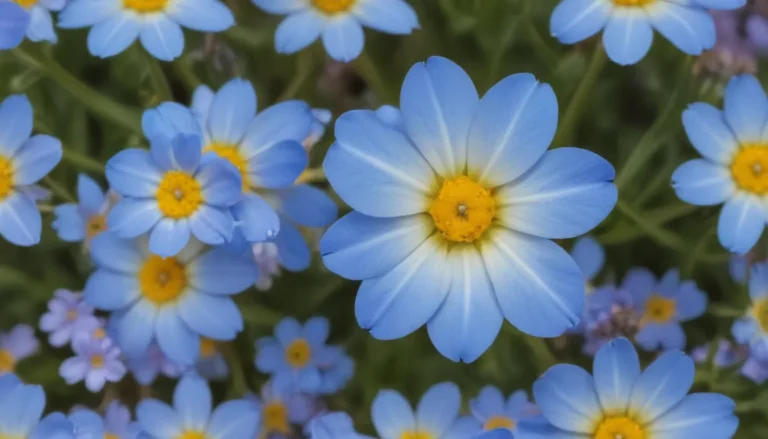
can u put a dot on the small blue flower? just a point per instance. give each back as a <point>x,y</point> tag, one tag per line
<point>211,365</point>
<point>87,218</point>
<point>619,400</point>
<point>147,367</point>
<point>21,407</point>
<point>40,26</point>
<point>171,191</point>
<point>67,315</point>
<point>335,370</point>
<point>339,23</point>
<point>116,24</point>
<point>96,361</point>
<point>193,415</point>
<point>279,410</point>
<point>174,300</point>
<point>752,329</point>
<point>24,160</point>
<point>335,425</point>
<point>493,412</point>
<point>734,167</point>
<point>454,217</point>
<point>756,369</point>
<point>294,354</point>
<point>612,314</point>
<point>14,22</point>
<point>18,344</point>
<point>628,25</point>
<point>435,416</point>
<point>727,354</point>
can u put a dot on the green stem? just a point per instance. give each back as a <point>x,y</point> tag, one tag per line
<point>159,81</point>
<point>311,175</point>
<point>697,250</point>
<point>239,383</point>
<point>655,232</point>
<point>183,69</point>
<point>248,37</point>
<point>573,113</point>
<point>542,355</point>
<point>58,189</point>
<point>95,101</point>
<point>370,73</point>
<point>302,71</point>
<point>83,161</point>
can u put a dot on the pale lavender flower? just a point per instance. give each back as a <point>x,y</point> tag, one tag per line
<point>146,368</point>
<point>265,254</point>
<point>16,345</point>
<point>96,361</point>
<point>67,314</point>
<point>756,370</point>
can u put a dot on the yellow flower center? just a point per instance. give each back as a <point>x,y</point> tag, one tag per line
<point>144,7</point>
<point>275,418</point>
<point>232,154</point>
<point>7,361</point>
<point>97,361</point>
<point>417,435</point>
<point>298,353</point>
<point>111,436</point>
<point>26,4</point>
<point>636,3</point>
<point>162,280</point>
<point>6,436</point>
<point>178,195</point>
<point>334,6</point>
<point>6,177</point>
<point>463,209</point>
<point>96,224</point>
<point>99,333</point>
<point>191,435</point>
<point>72,315</point>
<point>659,309</point>
<point>207,347</point>
<point>495,422</point>
<point>750,168</point>
<point>619,427</point>
<point>759,312</point>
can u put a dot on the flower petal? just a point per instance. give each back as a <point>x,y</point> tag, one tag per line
<point>628,35</point>
<point>566,396</point>
<point>192,400</point>
<point>158,419</point>
<point>703,183</point>
<point>390,16</point>
<point>113,35</point>
<point>741,223</point>
<point>691,30</point>
<point>17,117</point>
<point>131,217</point>
<point>298,31</point>
<point>709,132</point>
<point>746,108</point>
<point>616,369</point>
<point>214,317</point>
<point>661,386</point>
<point>162,37</point>
<point>20,221</point>
<point>222,273</point>
<point>438,408</point>
<point>133,173</point>
<point>576,20</point>
<point>307,205</point>
<point>343,38</point>
<point>177,341</point>
<point>698,415</point>
<point>278,166</point>
<point>232,110</point>
<point>392,415</point>
<point>202,15</point>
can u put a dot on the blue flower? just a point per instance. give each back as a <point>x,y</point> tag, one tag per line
<point>662,306</point>
<point>86,219</point>
<point>734,167</point>
<point>67,315</point>
<point>173,300</point>
<point>96,361</point>
<point>435,416</point>
<point>453,218</point>
<point>613,314</point>
<point>628,24</point>
<point>752,329</point>
<point>21,407</point>
<point>293,355</point>
<point>499,433</point>
<point>339,23</point>
<point>24,160</point>
<point>335,425</point>
<point>18,344</point>
<point>619,400</point>
<point>493,412</point>
<point>14,22</point>
<point>171,190</point>
<point>193,416</point>
<point>756,369</point>
<point>335,370</point>
<point>279,409</point>
<point>156,23</point>
<point>211,365</point>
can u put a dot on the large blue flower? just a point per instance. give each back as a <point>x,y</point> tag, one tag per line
<point>619,400</point>
<point>752,329</point>
<point>84,220</point>
<point>734,167</point>
<point>14,22</point>
<point>454,216</point>
<point>156,23</point>
<point>174,300</point>
<point>339,23</point>
<point>662,306</point>
<point>172,190</point>
<point>24,160</point>
<point>628,24</point>
<point>192,415</point>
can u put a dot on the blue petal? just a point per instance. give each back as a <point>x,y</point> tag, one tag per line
<point>53,426</point>
<point>709,133</point>
<point>217,318</point>
<point>132,172</point>
<point>469,320</point>
<point>277,166</point>
<point>41,26</point>
<point>192,400</point>
<point>390,16</point>
<point>177,341</point>
<point>758,281</point>
<point>343,39</point>
<point>14,21</point>
<point>692,30</point>
<point>113,35</point>
<point>376,169</point>
<point>84,13</point>
<point>120,255</point>
<point>691,302</point>
<point>202,15</point>
<point>567,193</point>
<point>307,205</point>
<point>16,127</point>
<point>221,272</point>
<point>256,219</point>
<point>576,20</point>
<point>289,120</point>
<point>298,31</point>
<point>746,108</point>
<point>538,285</point>
<point>489,403</point>
<point>589,256</point>
<point>438,101</point>
<point>699,415</point>
<point>628,35</point>
<point>187,150</point>
<point>169,236</point>
<point>515,124</point>
<point>438,408</point>
<point>744,330</point>
<point>36,158</point>
<point>616,369</point>
<point>292,249</point>
<point>669,284</point>
<point>110,291</point>
<point>232,110</point>
<point>162,37</point>
<point>538,430</point>
<point>20,221</point>
<point>392,414</point>
<point>665,336</point>
<point>202,99</point>
<point>22,409</point>
<point>89,194</point>
<point>639,283</point>
<point>566,396</point>
<point>287,330</point>
<point>703,183</point>
<point>237,419</point>
<point>392,117</point>
<point>661,386</point>
<point>742,221</point>
<point>723,5</point>
<point>136,328</point>
<point>221,183</point>
<point>402,300</point>
<point>212,225</point>
<point>132,217</point>
<point>280,6</point>
<point>158,419</point>
<point>167,120</point>
<point>316,330</point>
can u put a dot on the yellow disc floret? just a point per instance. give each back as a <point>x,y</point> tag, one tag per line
<point>178,195</point>
<point>275,418</point>
<point>623,427</point>
<point>191,435</point>
<point>750,168</point>
<point>417,435</point>
<point>637,3</point>
<point>495,422</point>
<point>26,4</point>
<point>145,6</point>
<point>207,347</point>
<point>334,6</point>
<point>298,353</point>
<point>111,436</point>
<point>232,154</point>
<point>6,177</point>
<point>162,280</point>
<point>96,224</point>
<point>7,361</point>
<point>463,209</point>
<point>97,361</point>
<point>659,309</point>
<point>760,313</point>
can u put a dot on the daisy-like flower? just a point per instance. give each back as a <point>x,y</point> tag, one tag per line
<point>193,417</point>
<point>211,365</point>
<point>67,315</point>
<point>24,160</point>
<point>453,217</point>
<point>156,23</point>
<point>146,368</point>
<point>734,167</point>
<point>21,409</point>
<point>280,410</point>
<point>493,411</point>
<point>40,27</point>
<point>752,329</point>
<point>335,370</point>
<point>339,23</point>
<point>663,305</point>
<point>96,361</point>
<point>628,25</point>
<point>168,190</point>
<point>14,22</point>
<point>84,220</point>
<point>173,300</point>
<point>15,346</point>
<point>620,401</point>
<point>335,425</point>
<point>292,356</point>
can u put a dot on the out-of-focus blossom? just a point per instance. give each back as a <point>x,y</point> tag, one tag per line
<point>96,361</point>
<point>491,410</point>
<point>752,329</point>
<point>211,365</point>
<point>265,255</point>
<point>146,368</point>
<point>336,369</point>
<point>734,52</point>
<point>67,315</point>
<point>434,417</point>
<point>618,318</point>
<point>726,355</point>
<point>21,407</point>
<point>118,423</point>
<point>280,410</point>
<point>15,346</point>
<point>336,425</point>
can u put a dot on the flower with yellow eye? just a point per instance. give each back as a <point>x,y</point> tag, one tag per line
<point>661,307</point>
<point>84,220</point>
<point>96,361</point>
<point>281,411</point>
<point>16,345</point>
<point>752,329</point>
<point>734,166</point>
<point>492,411</point>
<point>454,213</point>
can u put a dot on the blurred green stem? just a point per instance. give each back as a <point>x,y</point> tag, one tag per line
<point>83,161</point>
<point>311,175</point>
<point>248,37</point>
<point>575,108</point>
<point>183,69</point>
<point>303,70</point>
<point>58,189</point>
<point>239,384</point>
<point>543,357</point>
<point>101,105</point>
<point>370,73</point>
<point>159,81</point>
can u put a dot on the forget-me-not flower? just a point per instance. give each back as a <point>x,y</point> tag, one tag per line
<point>493,411</point>
<point>96,361</point>
<point>16,345</point>
<point>67,315</point>
<point>280,409</point>
<point>21,407</point>
<point>84,220</point>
